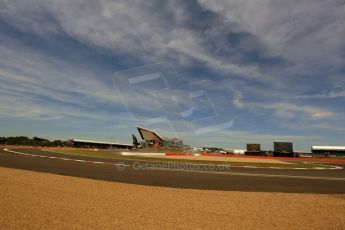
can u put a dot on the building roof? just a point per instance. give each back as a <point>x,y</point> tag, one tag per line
<point>328,148</point>
<point>171,139</point>
<point>100,142</point>
<point>149,135</point>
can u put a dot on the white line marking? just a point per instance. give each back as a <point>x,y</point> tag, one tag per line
<point>226,173</point>
<point>279,168</point>
<point>59,158</point>
<point>289,176</point>
<point>122,165</point>
<point>80,160</point>
<point>271,175</point>
<point>259,175</point>
<point>62,158</point>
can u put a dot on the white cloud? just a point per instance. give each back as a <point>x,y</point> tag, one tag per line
<point>304,32</point>
<point>312,112</point>
<point>37,86</point>
<point>150,30</point>
<point>328,95</point>
<point>308,34</point>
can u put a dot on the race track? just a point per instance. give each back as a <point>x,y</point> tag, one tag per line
<point>233,179</point>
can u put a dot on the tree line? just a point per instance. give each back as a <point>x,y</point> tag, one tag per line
<point>35,141</point>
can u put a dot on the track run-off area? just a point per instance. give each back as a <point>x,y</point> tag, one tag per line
<point>319,180</point>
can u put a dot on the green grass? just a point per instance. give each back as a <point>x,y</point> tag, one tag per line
<point>114,154</point>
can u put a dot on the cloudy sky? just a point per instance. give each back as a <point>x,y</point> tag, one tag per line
<point>213,72</point>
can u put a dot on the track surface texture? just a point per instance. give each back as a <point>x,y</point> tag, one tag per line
<point>233,179</point>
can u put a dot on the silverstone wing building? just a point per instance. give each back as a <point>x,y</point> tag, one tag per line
<point>153,139</point>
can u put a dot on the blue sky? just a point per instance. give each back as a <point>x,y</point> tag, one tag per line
<point>214,73</point>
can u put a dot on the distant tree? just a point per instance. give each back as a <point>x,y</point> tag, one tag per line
<point>57,143</point>
<point>20,140</point>
<point>67,144</point>
<point>35,141</point>
<point>3,140</point>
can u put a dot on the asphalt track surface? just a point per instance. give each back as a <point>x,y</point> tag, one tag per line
<point>226,179</point>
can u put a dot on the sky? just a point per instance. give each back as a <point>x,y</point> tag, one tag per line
<point>212,72</point>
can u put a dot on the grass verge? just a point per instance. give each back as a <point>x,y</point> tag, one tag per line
<point>115,154</point>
